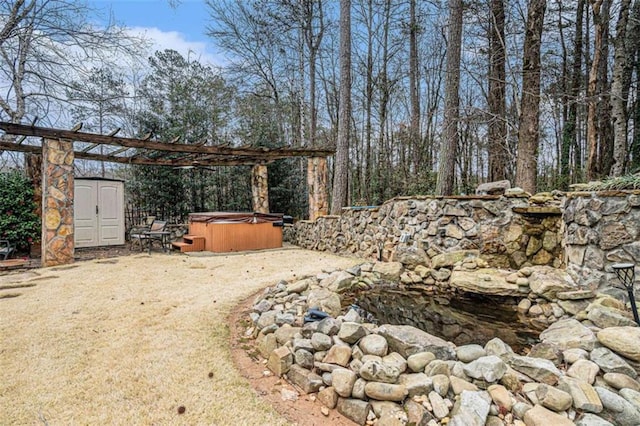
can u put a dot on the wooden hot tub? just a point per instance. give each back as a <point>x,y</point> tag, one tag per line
<point>225,231</point>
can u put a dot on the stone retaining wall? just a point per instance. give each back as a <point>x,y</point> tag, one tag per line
<point>602,228</point>
<point>510,232</point>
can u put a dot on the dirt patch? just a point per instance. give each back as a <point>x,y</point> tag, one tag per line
<point>305,411</point>
<point>132,341</point>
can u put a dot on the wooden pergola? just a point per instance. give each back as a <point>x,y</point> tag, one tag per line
<point>59,148</point>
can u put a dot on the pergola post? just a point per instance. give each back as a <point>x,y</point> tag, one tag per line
<point>57,202</point>
<point>33,166</point>
<point>260,188</point>
<point>317,182</point>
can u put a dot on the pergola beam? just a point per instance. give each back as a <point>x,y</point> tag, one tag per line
<point>138,160</point>
<point>264,153</point>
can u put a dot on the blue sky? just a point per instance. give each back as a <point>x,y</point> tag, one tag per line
<point>182,28</point>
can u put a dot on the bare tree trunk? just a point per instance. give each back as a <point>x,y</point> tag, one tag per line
<point>341,168</point>
<point>618,97</point>
<point>529,130</point>
<point>414,86</point>
<point>368,105</point>
<point>592,127</point>
<point>569,131</point>
<point>301,90</point>
<point>603,107</point>
<point>446,169</point>
<point>313,40</point>
<point>385,95</point>
<point>634,55</point>
<point>498,151</point>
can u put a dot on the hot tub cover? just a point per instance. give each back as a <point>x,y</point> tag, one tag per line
<point>235,217</point>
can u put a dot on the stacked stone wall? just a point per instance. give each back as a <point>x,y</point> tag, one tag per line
<point>507,231</point>
<point>601,228</point>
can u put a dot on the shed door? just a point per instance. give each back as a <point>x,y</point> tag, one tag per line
<point>86,220</point>
<point>98,213</point>
<point>110,214</point>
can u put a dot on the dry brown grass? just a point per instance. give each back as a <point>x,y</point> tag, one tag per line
<point>129,342</point>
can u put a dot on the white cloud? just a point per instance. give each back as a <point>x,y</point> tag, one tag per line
<point>160,40</point>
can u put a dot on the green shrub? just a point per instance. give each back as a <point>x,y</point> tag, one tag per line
<point>18,221</point>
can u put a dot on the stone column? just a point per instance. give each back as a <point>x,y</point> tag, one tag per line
<point>260,188</point>
<point>317,182</point>
<point>57,202</point>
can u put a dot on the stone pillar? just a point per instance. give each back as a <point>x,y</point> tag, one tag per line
<point>57,202</point>
<point>317,182</point>
<point>260,188</point>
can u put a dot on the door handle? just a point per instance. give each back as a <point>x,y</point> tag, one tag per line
<point>96,209</point>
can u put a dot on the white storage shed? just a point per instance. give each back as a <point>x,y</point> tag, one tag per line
<point>98,212</point>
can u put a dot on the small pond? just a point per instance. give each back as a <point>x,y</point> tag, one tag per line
<point>464,319</point>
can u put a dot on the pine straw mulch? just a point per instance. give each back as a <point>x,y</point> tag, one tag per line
<point>132,339</point>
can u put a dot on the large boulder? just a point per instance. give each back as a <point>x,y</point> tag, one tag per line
<point>385,391</point>
<point>325,300</point>
<point>342,380</point>
<point>411,256</point>
<point>388,271</point>
<point>488,368</point>
<point>609,362</point>
<point>377,371</point>
<point>604,317</point>
<point>337,281</point>
<point>546,282</point>
<point>540,416</point>
<point>408,340</point>
<point>584,395</point>
<point>374,344</point>
<point>617,409</point>
<point>569,334</point>
<point>447,260</point>
<point>351,332</point>
<point>493,188</point>
<point>622,340</point>
<point>541,370</point>
<point>484,281</point>
<point>471,409</point>
<point>301,285</point>
<point>354,409</point>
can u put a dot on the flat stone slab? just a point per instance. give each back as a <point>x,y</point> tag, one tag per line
<point>569,334</point>
<point>408,340</point>
<point>575,295</point>
<point>488,281</point>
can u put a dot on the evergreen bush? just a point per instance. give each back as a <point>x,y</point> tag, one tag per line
<point>18,221</point>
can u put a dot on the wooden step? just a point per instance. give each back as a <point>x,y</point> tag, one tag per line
<point>189,243</point>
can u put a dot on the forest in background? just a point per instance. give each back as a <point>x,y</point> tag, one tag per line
<point>443,95</point>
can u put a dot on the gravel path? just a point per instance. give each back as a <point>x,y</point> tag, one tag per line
<point>130,340</point>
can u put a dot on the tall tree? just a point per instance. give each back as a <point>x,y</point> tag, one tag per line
<point>414,87</point>
<point>600,10</point>
<point>341,167</point>
<point>313,28</point>
<point>498,149</point>
<point>634,62</point>
<point>619,93</point>
<point>529,130</point>
<point>449,144</point>
<point>182,98</point>
<point>569,131</point>
<point>42,44</point>
<point>99,102</point>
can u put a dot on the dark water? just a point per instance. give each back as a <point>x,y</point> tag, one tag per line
<point>462,320</point>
